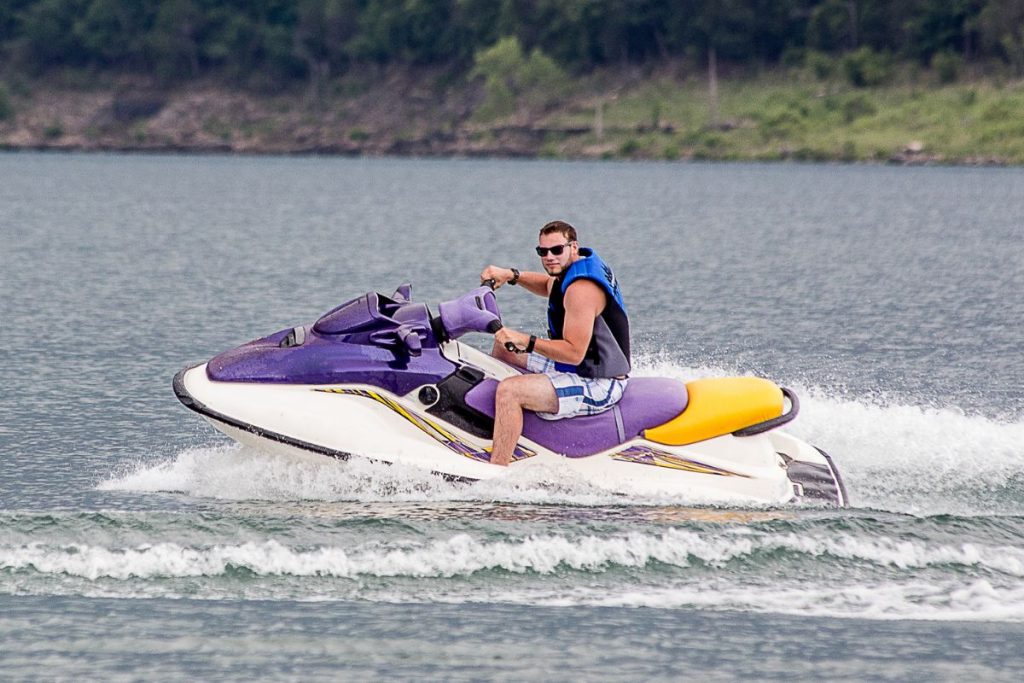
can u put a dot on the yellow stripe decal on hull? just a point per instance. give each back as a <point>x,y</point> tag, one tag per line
<point>432,429</point>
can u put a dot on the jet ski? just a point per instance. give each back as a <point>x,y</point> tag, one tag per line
<point>381,377</point>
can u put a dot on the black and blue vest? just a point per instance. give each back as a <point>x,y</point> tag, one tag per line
<point>608,353</point>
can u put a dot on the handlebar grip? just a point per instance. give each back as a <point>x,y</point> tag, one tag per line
<point>494,326</point>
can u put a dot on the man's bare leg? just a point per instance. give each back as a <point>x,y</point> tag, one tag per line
<point>532,392</point>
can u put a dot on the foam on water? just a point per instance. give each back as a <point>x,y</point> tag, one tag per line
<point>919,460</point>
<point>665,569</point>
<point>463,554</point>
<point>233,472</point>
<point>947,600</point>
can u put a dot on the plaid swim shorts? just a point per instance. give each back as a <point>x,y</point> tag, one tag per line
<point>576,395</point>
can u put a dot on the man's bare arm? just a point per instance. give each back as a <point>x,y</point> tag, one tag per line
<point>538,283</point>
<point>584,301</point>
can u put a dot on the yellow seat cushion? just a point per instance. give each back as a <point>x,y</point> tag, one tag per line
<point>720,405</point>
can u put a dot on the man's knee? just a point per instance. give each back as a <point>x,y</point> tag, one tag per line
<point>530,391</point>
<point>509,391</point>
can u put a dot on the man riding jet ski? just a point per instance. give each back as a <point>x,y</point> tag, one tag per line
<point>582,369</point>
<point>382,378</point>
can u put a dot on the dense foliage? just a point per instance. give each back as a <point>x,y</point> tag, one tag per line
<point>285,39</point>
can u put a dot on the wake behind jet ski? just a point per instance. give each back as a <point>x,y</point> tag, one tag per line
<point>382,378</point>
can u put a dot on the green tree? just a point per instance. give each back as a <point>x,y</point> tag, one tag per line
<point>474,23</point>
<point>253,42</point>
<point>47,34</point>
<point>113,31</point>
<point>429,31</point>
<point>1002,31</point>
<point>515,82</point>
<point>230,43</point>
<point>412,31</point>
<point>11,12</point>
<point>725,27</point>
<point>174,39</point>
<point>778,25</point>
<point>832,26</point>
<point>864,67</point>
<point>934,28</point>
<point>378,37</point>
<point>322,31</point>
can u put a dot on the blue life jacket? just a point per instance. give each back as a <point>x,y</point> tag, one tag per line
<point>608,353</point>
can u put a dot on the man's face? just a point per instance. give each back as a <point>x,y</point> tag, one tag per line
<point>553,264</point>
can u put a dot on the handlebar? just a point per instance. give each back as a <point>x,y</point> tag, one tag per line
<point>476,311</point>
<point>496,325</point>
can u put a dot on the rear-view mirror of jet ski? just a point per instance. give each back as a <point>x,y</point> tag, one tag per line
<point>382,378</point>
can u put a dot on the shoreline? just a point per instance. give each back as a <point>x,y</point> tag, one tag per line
<point>419,114</point>
<point>485,155</point>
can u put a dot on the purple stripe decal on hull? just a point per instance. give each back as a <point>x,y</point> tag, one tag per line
<point>643,455</point>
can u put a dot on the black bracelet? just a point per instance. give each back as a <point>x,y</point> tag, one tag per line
<point>533,342</point>
<point>515,276</point>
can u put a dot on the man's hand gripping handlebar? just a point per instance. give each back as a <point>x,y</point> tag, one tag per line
<point>495,326</point>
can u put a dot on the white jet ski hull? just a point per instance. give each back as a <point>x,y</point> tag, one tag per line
<point>342,421</point>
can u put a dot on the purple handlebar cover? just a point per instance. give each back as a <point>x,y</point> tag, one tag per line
<point>472,312</point>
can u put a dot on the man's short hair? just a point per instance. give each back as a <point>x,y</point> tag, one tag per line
<point>562,227</point>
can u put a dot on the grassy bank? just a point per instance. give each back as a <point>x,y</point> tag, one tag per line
<point>777,116</point>
<point>772,118</point>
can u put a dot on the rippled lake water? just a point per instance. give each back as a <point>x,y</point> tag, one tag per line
<point>137,542</point>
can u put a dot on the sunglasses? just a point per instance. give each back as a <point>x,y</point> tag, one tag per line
<point>557,251</point>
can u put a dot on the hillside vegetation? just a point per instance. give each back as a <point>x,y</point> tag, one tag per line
<point>916,81</point>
